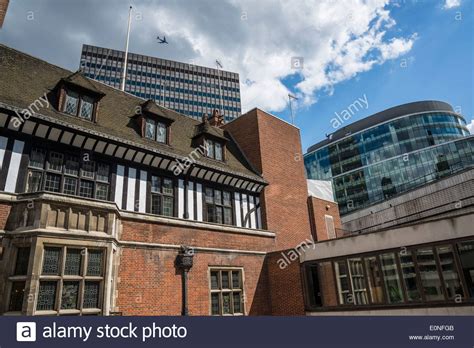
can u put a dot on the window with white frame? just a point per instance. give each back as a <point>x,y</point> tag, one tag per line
<point>71,280</point>
<point>227,291</point>
<point>162,196</point>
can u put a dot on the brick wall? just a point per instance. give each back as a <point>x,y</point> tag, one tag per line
<point>318,208</point>
<point>273,147</point>
<point>4,213</point>
<point>149,283</point>
<point>3,10</point>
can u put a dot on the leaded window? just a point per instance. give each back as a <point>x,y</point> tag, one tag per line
<point>226,287</point>
<point>79,105</point>
<point>162,196</point>
<point>214,149</point>
<point>218,206</point>
<point>72,285</point>
<point>63,173</point>
<point>156,130</point>
<point>17,295</point>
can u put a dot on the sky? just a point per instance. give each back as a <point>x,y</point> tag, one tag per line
<point>357,56</point>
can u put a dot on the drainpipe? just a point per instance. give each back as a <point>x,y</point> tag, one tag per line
<point>184,262</point>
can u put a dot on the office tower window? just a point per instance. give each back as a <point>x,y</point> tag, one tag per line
<point>430,281</point>
<point>409,276</point>
<point>162,196</point>
<point>226,287</point>
<point>393,286</point>
<point>452,282</point>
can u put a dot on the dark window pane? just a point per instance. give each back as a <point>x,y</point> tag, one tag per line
<point>226,305</point>
<point>55,161</point>
<point>91,295</point>
<point>393,286</point>
<point>102,191</point>
<point>215,304</point>
<point>94,263</point>
<point>22,258</point>
<point>88,169</point>
<point>217,197</point>
<point>16,296</point>
<point>219,215</point>
<point>71,166</point>
<point>167,206</point>
<point>236,280</point>
<point>211,213</point>
<point>228,216</point>
<point>51,261</point>
<point>156,204</point>
<point>237,302</point>
<point>37,158</point>
<point>429,275</point>
<point>70,186</point>
<point>73,262</point>
<point>34,181</point>
<point>52,182</point>
<point>155,184</point>
<point>466,255</point>
<point>69,295</point>
<point>102,172</point>
<point>209,195</point>
<point>46,296</point>
<point>214,280</point>
<point>409,276</point>
<point>450,273</point>
<point>86,189</point>
<point>226,200</point>
<point>225,280</point>
<point>168,186</point>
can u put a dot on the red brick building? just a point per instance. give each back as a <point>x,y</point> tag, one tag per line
<point>3,11</point>
<point>111,204</point>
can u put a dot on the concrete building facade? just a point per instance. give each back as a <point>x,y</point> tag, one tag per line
<point>186,88</point>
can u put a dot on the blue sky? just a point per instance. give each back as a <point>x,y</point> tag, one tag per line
<point>438,67</point>
<point>389,52</point>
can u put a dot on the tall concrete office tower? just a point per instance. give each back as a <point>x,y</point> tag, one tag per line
<point>186,88</point>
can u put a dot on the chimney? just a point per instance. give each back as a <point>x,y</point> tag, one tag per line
<point>216,119</point>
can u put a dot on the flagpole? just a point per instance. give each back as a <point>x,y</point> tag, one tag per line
<point>218,64</point>
<point>124,72</point>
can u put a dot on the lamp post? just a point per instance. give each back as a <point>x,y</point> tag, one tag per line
<point>184,262</point>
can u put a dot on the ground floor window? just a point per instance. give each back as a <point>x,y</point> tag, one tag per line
<point>226,291</point>
<point>432,274</point>
<point>71,280</point>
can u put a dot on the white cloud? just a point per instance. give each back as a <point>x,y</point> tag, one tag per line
<point>470,127</point>
<point>451,4</point>
<point>336,39</point>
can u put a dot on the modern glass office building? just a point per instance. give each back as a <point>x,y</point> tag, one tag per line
<point>186,88</point>
<point>391,152</point>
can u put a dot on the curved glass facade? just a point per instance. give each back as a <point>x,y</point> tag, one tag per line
<point>389,158</point>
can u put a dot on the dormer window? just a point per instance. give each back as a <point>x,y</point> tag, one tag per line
<point>79,105</point>
<point>214,149</point>
<point>156,130</point>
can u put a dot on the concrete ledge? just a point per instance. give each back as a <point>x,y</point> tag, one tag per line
<point>460,310</point>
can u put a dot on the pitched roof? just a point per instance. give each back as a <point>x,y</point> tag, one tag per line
<point>23,79</point>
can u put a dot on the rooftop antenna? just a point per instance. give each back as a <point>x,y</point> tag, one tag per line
<point>292,114</point>
<point>124,73</point>
<point>219,65</point>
